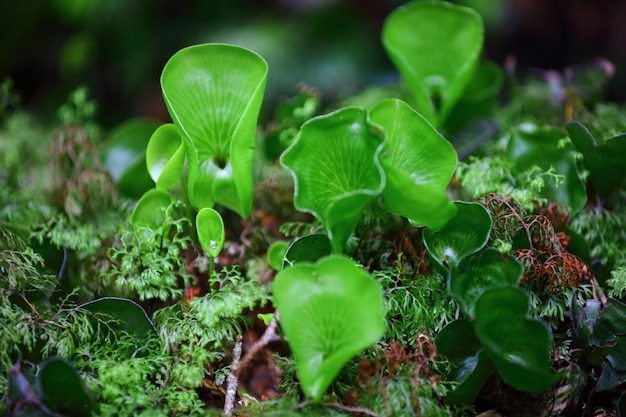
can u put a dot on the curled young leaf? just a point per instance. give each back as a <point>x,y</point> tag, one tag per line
<point>165,156</point>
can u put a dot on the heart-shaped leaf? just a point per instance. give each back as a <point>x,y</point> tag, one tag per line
<point>335,164</point>
<point>124,156</point>
<point>518,346</point>
<point>530,146</point>
<point>470,365</point>
<point>605,161</point>
<point>466,233</point>
<point>150,211</point>
<point>435,46</point>
<point>210,227</point>
<point>62,389</point>
<point>165,156</point>
<point>128,316</point>
<point>329,312</point>
<point>489,269</point>
<point>418,164</point>
<point>214,93</point>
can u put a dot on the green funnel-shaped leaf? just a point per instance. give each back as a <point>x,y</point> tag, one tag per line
<point>518,346</point>
<point>165,156</point>
<point>124,156</point>
<point>335,164</point>
<point>214,93</point>
<point>435,46</point>
<point>605,161</point>
<point>530,146</point>
<point>489,269</point>
<point>466,233</point>
<point>329,312</point>
<point>210,227</point>
<point>150,210</point>
<point>418,163</point>
<point>471,366</point>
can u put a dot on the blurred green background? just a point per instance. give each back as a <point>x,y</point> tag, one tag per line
<point>117,48</point>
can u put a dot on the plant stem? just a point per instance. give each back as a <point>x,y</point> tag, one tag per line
<point>231,390</point>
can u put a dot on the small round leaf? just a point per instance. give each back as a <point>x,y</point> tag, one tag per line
<point>210,227</point>
<point>464,234</point>
<point>150,210</point>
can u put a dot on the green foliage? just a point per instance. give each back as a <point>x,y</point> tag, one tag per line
<point>195,333</point>
<point>414,304</point>
<point>80,110</point>
<point>530,146</point>
<point>496,174</point>
<point>603,229</point>
<point>148,261</point>
<point>124,156</point>
<point>617,282</point>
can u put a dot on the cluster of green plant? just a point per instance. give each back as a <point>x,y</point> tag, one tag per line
<point>392,300</point>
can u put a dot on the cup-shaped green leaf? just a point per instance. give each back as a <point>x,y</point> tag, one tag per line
<point>486,270</point>
<point>418,164</point>
<point>335,164</point>
<point>150,210</point>
<point>124,156</point>
<point>210,228</point>
<point>329,312</point>
<point>466,233</point>
<point>309,248</point>
<point>165,156</point>
<point>518,346</point>
<point>471,366</point>
<point>276,254</point>
<point>435,46</point>
<point>214,93</point>
<point>531,146</point>
<point>605,161</point>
